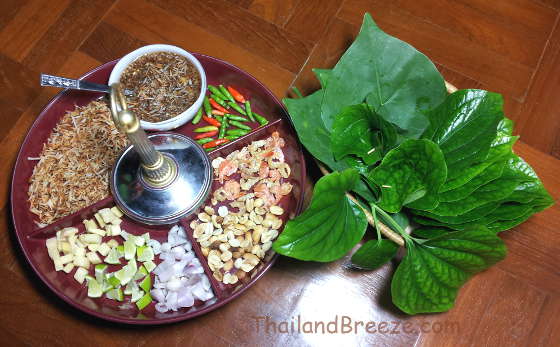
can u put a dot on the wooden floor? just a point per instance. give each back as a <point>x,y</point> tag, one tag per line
<point>507,46</point>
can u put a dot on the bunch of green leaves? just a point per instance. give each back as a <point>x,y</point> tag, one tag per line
<point>385,125</point>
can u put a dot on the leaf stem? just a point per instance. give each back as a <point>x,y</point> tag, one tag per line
<point>297,92</point>
<point>385,230</point>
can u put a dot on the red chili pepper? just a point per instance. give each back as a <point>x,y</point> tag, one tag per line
<point>212,121</point>
<point>215,143</point>
<point>218,113</point>
<point>204,135</point>
<point>217,106</point>
<point>236,95</point>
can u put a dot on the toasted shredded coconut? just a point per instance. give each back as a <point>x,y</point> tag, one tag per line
<point>74,165</point>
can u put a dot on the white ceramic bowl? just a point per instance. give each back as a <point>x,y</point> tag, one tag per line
<point>189,113</point>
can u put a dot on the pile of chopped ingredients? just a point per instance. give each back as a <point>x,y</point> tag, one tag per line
<point>184,281</point>
<point>164,85</point>
<point>180,278</point>
<point>73,168</point>
<point>219,106</point>
<point>236,237</point>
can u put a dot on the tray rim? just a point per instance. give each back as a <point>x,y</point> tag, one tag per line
<point>157,321</point>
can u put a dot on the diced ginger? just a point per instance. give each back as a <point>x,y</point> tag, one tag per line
<point>66,248</point>
<point>68,267</point>
<point>80,275</point>
<point>81,261</point>
<point>112,243</point>
<point>103,249</point>
<point>66,232</point>
<point>58,264</point>
<point>51,243</point>
<point>113,230</point>
<point>99,220</point>
<point>79,251</point>
<point>93,247</point>
<point>90,224</point>
<point>116,211</point>
<point>107,215</point>
<point>65,259</point>
<point>99,232</point>
<point>116,221</point>
<point>93,258</point>
<point>90,238</point>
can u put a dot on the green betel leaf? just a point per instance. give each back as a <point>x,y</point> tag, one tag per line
<point>430,232</point>
<point>306,117</point>
<point>464,126</point>
<point>310,128</point>
<point>373,254</point>
<point>411,175</point>
<point>489,174</point>
<point>357,130</point>
<point>515,171</point>
<point>431,273</point>
<point>399,82</point>
<point>352,133</point>
<point>330,226</point>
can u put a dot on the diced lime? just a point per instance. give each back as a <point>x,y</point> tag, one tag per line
<point>120,249</point>
<point>149,265</point>
<point>144,301</point>
<point>107,287</point>
<point>116,294</point>
<point>147,255</point>
<point>140,251</point>
<point>139,275</point>
<point>129,250</point>
<point>131,287</point>
<point>112,257</point>
<point>146,284</point>
<point>113,281</point>
<point>143,270</point>
<point>127,272</point>
<point>139,241</point>
<point>136,295</point>
<point>100,272</point>
<point>94,288</point>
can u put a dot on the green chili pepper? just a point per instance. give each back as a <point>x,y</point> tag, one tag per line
<point>217,92</point>
<point>226,93</point>
<point>221,102</point>
<point>239,125</point>
<point>248,110</point>
<point>209,149</point>
<point>207,107</point>
<point>198,116</point>
<point>219,99</point>
<point>236,117</point>
<point>205,140</point>
<point>260,119</point>
<point>236,107</point>
<point>218,117</point>
<point>232,137</point>
<point>206,129</point>
<point>223,128</point>
<point>237,132</point>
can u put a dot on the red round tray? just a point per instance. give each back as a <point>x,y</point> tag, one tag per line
<point>32,238</point>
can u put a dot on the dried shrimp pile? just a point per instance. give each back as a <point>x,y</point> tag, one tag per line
<point>73,168</point>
